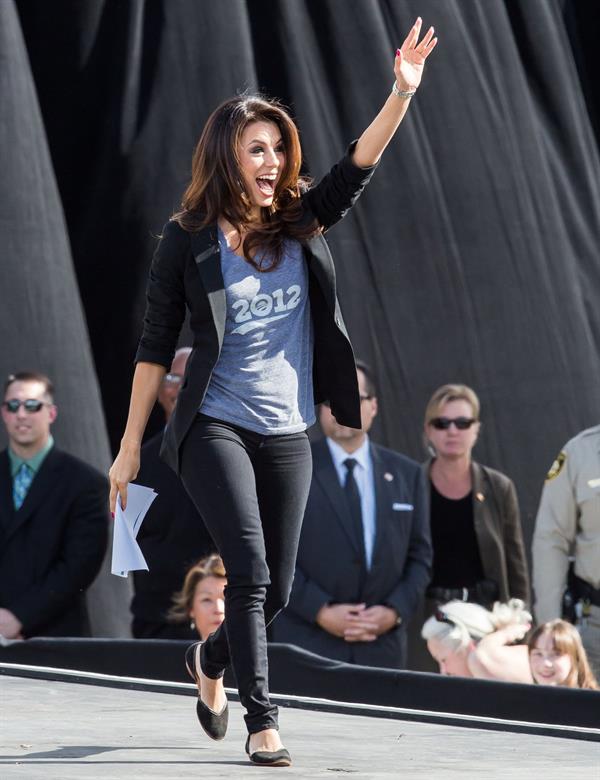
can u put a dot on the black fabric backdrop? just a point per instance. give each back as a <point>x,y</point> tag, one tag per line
<point>42,321</point>
<point>473,255</point>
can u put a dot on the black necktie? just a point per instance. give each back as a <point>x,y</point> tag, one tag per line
<point>354,507</point>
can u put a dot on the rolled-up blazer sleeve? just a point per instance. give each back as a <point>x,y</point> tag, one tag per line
<point>165,298</point>
<point>336,193</point>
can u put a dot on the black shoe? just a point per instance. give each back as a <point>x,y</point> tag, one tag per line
<point>213,723</point>
<point>269,758</point>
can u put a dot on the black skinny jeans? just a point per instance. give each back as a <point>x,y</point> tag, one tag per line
<point>251,491</point>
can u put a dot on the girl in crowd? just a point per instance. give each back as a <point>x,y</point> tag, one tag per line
<point>557,656</point>
<point>202,597</point>
<point>478,550</point>
<point>246,254</point>
<point>468,640</point>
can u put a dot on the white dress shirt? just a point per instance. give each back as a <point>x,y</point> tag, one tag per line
<point>363,476</point>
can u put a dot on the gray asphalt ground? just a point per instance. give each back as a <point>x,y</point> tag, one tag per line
<point>57,731</point>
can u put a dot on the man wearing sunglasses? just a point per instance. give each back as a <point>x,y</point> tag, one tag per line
<point>53,519</point>
<point>365,553</point>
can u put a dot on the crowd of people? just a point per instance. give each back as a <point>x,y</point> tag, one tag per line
<point>340,546</point>
<point>440,543</point>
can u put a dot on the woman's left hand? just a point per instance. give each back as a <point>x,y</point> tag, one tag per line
<point>410,58</point>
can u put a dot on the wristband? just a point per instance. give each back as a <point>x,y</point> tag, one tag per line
<point>404,94</point>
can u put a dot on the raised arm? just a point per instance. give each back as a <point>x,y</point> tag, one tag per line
<point>408,70</point>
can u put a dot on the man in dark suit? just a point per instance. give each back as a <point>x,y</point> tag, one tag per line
<point>53,520</point>
<point>365,552</point>
<point>173,536</point>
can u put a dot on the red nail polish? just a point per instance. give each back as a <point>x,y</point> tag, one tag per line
<point>112,514</point>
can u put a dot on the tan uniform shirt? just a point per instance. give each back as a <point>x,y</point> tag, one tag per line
<point>568,521</point>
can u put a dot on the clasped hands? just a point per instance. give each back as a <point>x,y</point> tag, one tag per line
<point>356,622</point>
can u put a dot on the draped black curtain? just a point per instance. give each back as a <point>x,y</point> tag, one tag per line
<point>42,321</point>
<point>473,255</point>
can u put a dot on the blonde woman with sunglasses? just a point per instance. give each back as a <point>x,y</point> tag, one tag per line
<point>478,551</point>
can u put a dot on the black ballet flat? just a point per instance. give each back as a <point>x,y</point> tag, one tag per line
<point>269,758</point>
<point>213,723</point>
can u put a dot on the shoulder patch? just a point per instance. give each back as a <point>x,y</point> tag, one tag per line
<point>557,466</point>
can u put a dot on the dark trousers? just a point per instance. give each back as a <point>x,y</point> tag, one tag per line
<point>251,491</point>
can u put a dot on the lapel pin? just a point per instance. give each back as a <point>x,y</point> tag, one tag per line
<point>388,477</point>
<point>480,497</point>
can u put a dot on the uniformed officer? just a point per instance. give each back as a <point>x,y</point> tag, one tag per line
<point>568,522</point>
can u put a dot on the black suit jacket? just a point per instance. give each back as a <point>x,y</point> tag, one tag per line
<point>52,548</point>
<point>186,271</point>
<point>329,567</point>
<point>172,538</point>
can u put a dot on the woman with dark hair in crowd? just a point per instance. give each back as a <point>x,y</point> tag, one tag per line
<point>246,253</point>
<point>468,640</point>
<point>557,656</point>
<point>478,550</point>
<point>201,600</point>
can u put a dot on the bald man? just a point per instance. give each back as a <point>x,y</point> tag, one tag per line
<point>173,536</point>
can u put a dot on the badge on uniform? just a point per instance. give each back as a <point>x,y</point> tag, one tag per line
<point>557,466</point>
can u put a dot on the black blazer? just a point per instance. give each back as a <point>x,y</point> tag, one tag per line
<point>172,538</point>
<point>498,530</point>
<point>186,271</point>
<point>52,548</point>
<point>329,567</point>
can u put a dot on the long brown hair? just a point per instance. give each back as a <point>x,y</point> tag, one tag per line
<point>566,639</point>
<point>217,188</point>
<point>211,566</point>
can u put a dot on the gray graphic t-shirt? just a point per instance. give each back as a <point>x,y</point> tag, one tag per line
<point>263,378</point>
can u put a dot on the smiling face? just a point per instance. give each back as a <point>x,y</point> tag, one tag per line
<point>208,605</point>
<point>28,431</point>
<point>548,665</point>
<point>453,443</point>
<point>451,662</point>
<point>262,161</point>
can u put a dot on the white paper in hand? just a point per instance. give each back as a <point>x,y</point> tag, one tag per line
<point>126,553</point>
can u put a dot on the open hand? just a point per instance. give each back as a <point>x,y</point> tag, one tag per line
<point>410,58</point>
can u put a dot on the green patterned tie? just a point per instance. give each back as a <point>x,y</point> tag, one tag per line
<point>21,482</point>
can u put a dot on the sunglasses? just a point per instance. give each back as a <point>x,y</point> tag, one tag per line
<point>30,405</point>
<point>443,423</point>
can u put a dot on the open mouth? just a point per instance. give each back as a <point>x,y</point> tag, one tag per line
<point>266,184</point>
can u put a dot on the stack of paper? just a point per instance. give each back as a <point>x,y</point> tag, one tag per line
<point>126,553</point>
